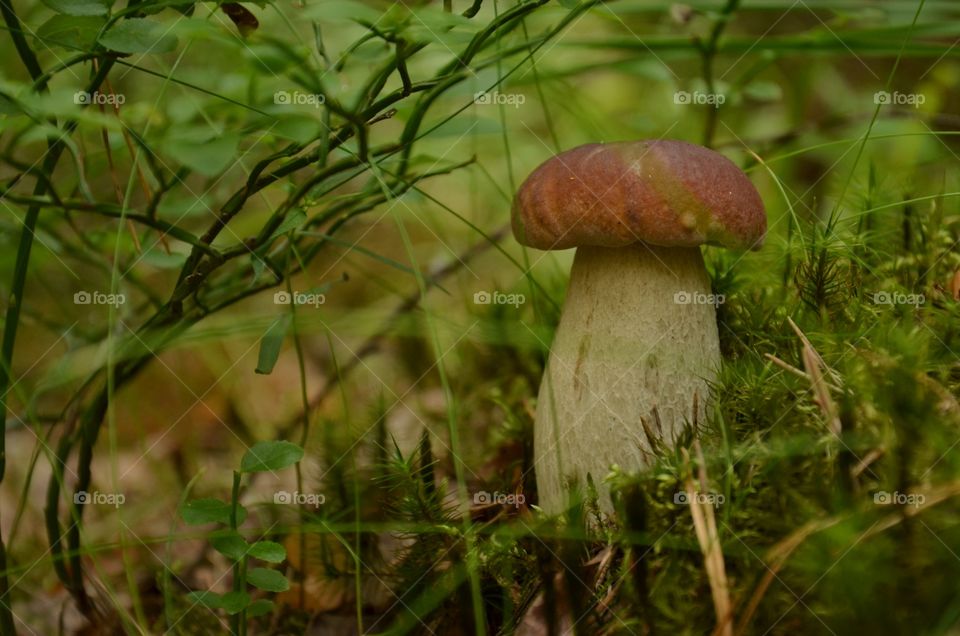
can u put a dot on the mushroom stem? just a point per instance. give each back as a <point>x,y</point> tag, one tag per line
<point>637,340</point>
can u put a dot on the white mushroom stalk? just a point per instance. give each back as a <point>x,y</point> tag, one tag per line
<point>637,346</point>
<point>632,357</point>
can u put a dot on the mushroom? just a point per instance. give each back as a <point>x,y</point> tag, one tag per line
<point>637,345</point>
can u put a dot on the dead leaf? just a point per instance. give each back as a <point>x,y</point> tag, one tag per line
<point>244,20</point>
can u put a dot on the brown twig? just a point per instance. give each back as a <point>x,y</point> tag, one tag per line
<point>786,366</point>
<point>820,390</point>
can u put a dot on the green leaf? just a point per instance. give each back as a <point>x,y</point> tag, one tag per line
<point>270,456</point>
<point>79,7</point>
<point>230,544</point>
<point>202,150</point>
<point>139,35</point>
<point>268,580</point>
<point>235,602</point>
<point>259,608</point>
<point>268,551</point>
<point>71,32</point>
<point>271,343</point>
<point>200,511</point>
<point>294,219</point>
<point>258,265</point>
<point>206,598</point>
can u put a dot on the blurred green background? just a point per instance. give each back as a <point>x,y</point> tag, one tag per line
<point>199,159</point>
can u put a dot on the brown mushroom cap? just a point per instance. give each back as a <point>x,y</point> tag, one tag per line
<point>668,193</point>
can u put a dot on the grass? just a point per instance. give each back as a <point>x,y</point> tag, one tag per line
<point>820,497</point>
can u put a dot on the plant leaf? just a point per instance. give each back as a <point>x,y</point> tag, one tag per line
<point>206,598</point>
<point>235,602</point>
<point>271,343</point>
<point>138,35</point>
<point>79,7</point>
<point>268,580</point>
<point>230,544</point>
<point>270,456</point>
<point>259,608</point>
<point>294,219</point>
<point>71,32</point>
<point>268,551</point>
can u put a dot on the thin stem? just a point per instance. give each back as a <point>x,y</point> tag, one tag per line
<point>16,298</point>
<point>304,435</point>
<point>238,566</point>
<point>709,51</point>
<point>26,54</point>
